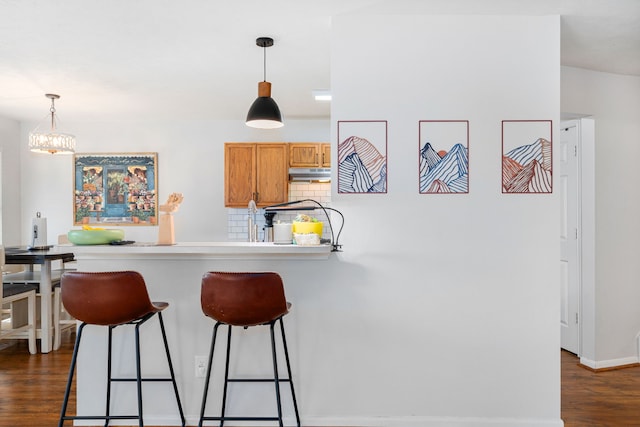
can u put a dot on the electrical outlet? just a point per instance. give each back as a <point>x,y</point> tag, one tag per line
<point>201,366</point>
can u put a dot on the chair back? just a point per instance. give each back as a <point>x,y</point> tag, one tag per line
<point>105,298</point>
<point>243,299</point>
<point>2,258</point>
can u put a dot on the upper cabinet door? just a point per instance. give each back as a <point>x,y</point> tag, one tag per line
<point>272,174</point>
<point>326,155</point>
<point>258,172</point>
<point>304,155</point>
<point>239,174</point>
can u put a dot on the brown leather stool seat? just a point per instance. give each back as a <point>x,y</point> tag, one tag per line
<point>245,299</point>
<point>112,299</point>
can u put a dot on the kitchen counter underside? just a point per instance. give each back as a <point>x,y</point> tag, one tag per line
<point>201,250</point>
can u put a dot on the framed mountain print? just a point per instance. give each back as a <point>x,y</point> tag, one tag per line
<point>362,156</point>
<point>443,156</point>
<point>527,165</point>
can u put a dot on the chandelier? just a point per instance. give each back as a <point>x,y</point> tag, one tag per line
<point>47,138</point>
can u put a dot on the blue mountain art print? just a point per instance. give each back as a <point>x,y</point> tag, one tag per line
<point>446,174</point>
<point>444,169</point>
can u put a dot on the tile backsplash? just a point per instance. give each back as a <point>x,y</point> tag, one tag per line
<point>238,217</point>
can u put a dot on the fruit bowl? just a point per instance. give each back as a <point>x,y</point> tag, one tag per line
<point>300,227</point>
<point>95,237</point>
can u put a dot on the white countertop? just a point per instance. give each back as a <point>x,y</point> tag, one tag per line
<point>200,250</point>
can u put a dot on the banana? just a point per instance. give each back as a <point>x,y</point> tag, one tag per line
<point>88,227</point>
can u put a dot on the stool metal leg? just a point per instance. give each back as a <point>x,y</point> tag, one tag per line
<point>67,391</point>
<point>276,380</point>
<point>138,379</point>
<point>226,377</point>
<point>286,356</point>
<point>208,376</point>
<point>109,349</point>
<point>138,374</point>
<point>173,376</point>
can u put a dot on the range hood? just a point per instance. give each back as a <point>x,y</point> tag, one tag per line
<point>310,174</point>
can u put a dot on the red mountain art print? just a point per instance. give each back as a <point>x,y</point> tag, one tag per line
<point>527,169</point>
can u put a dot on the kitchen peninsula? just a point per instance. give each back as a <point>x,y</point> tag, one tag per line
<point>173,274</point>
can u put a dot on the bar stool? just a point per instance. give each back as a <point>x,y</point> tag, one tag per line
<point>112,299</point>
<point>245,299</point>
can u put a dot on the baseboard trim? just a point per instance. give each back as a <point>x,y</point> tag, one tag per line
<point>401,421</point>
<point>609,365</point>
<point>431,422</point>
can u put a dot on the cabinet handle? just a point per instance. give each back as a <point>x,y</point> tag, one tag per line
<point>257,197</point>
<point>316,158</point>
<point>323,158</point>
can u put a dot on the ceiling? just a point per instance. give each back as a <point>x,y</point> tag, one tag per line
<point>197,59</point>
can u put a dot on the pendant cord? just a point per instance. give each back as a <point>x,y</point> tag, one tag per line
<point>264,65</point>
<point>53,112</point>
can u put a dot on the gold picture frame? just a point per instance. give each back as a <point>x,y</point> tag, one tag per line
<point>115,189</point>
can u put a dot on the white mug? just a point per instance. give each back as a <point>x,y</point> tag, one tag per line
<point>282,233</point>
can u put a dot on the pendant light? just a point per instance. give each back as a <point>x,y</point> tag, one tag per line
<point>264,112</point>
<point>51,140</point>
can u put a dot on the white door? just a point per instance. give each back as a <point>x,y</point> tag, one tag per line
<point>569,238</point>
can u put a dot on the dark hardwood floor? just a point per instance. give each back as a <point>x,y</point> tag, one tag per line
<point>32,386</point>
<point>599,399</point>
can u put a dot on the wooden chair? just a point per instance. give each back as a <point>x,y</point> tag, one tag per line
<point>19,275</point>
<point>11,293</point>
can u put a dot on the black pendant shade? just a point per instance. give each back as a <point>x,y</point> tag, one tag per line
<point>264,112</point>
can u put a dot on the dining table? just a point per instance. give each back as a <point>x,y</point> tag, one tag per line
<point>44,257</point>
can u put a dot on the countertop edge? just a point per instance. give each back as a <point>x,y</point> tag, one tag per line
<point>200,250</point>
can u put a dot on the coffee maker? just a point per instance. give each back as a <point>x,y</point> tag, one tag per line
<point>268,226</point>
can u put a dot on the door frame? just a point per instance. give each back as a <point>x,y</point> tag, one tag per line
<point>570,336</point>
<point>586,235</point>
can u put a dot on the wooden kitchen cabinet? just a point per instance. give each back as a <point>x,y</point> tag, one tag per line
<point>257,171</point>
<point>325,150</point>
<point>309,155</point>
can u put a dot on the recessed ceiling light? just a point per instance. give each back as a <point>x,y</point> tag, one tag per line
<point>322,95</point>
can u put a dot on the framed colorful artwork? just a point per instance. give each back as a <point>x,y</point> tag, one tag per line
<point>443,156</point>
<point>362,156</point>
<point>527,163</point>
<point>115,189</point>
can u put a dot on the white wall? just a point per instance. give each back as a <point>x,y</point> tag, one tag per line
<point>11,191</point>
<point>613,101</point>
<point>190,161</point>
<point>442,310</point>
<point>456,297</point>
